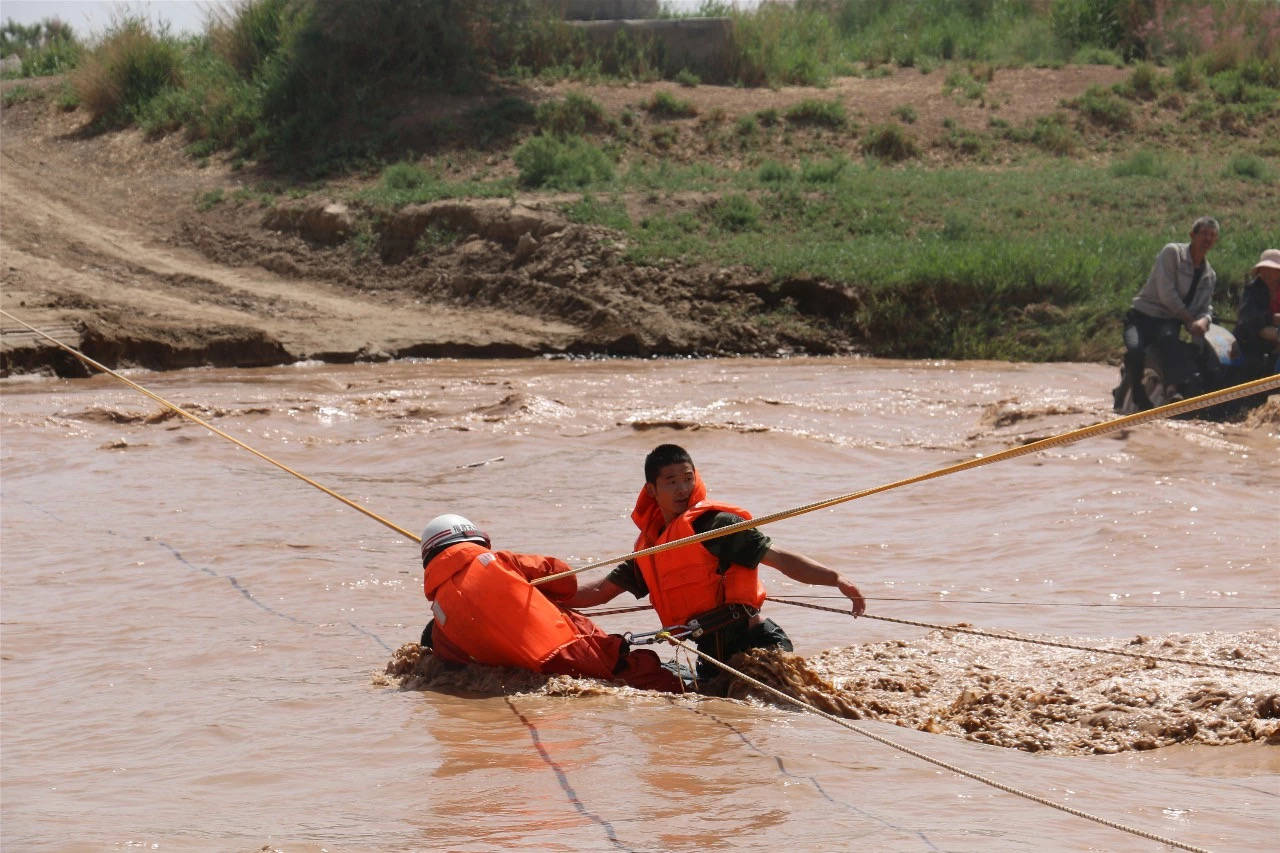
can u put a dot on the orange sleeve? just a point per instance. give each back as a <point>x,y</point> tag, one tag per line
<point>534,566</point>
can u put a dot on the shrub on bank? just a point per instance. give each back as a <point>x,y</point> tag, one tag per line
<point>49,47</point>
<point>572,115</point>
<point>132,66</point>
<point>968,262</point>
<point>666,105</point>
<point>300,82</point>
<point>291,80</point>
<point>814,113</point>
<point>570,162</point>
<point>1104,108</point>
<point>890,142</point>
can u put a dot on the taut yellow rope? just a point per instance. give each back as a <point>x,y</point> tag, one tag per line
<point>213,429</point>
<point>1267,383</point>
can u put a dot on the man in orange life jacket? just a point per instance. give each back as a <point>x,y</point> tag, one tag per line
<point>715,581</point>
<point>486,611</point>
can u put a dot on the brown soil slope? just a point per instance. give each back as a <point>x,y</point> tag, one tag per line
<point>103,243</point>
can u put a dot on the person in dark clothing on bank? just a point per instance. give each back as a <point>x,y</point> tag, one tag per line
<point>1177,295</point>
<point>1257,328</point>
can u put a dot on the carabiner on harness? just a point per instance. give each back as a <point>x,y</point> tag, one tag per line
<point>674,632</point>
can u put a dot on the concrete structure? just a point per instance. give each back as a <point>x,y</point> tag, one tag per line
<point>606,10</point>
<point>695,44</point>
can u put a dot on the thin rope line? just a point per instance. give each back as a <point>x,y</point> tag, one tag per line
<point>614,611</point>
<point>1037,603</point>
<point>102,367</point>
<point>1001,636</point>
<point>563,778</point>
<point>977,777</point>
<point>1192,404</point>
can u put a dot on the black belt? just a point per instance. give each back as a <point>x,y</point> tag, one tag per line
<point>720,618</point>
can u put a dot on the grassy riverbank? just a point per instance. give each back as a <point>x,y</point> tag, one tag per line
<point>884,152</point>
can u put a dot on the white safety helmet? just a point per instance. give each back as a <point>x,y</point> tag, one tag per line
<point>449,529</point>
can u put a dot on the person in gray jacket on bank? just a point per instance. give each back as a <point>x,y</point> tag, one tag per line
<point>1177,295</point>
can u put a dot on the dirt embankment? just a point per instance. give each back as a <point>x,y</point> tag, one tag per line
<point>106,244</point>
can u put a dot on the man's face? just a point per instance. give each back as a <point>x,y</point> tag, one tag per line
<point>672,489</point>
<point>1202,241</point>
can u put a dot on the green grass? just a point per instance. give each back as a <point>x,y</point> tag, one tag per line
<point>21,94</point>
<point>210,199</point>
<point>1251,167</point>
<point>814,113</point>
<point>1035,260</point>
<point>1104,108</point>
<point>406,183</point>
<point>1143,163</point>
<point>49,47</point>
<point>890,142</point>
<point>663,104</point>
<point>964,86</point>
<point>986,256</point>
<point>296,81</point>
<point>572,115</point>
<point>561,163</point>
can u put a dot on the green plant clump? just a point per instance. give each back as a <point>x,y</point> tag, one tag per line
<point>1104,108</point>
<point>573,115</point>
<point>1144,163</point>
<point>666,105</point>
<point>890,142</point>
<point>49,47</point>
<point>814,113</point>
<point>561,163</point>
<point>131,67</point>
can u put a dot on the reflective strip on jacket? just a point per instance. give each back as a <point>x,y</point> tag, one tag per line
<point>685,582</point>
<point>484,604</point>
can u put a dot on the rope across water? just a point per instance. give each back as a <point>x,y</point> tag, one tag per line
<point>1267,383</point>
<point>1168,410</point>
<point>914,753</point>
<point>999,636</point>
<point>213,429</point>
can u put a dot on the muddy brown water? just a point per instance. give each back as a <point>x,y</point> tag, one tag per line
<point>194,641</point>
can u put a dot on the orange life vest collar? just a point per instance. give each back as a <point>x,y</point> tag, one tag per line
<point>448,563</point>
<point>685,582</point>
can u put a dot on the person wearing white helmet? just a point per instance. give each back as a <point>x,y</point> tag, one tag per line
<point>1258,320</point>
<point>485,611</point>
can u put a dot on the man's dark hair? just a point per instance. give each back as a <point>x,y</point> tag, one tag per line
<point>1205,223</point>
<point>662,456</point>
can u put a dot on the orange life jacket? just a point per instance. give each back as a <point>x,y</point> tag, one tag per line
<point>685,582</point>
<point>484,604</point>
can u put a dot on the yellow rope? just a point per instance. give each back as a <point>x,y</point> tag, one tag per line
<point>977,777</point>
<point>1267,383</point>
<point>1000,636</point>
<point>97,366</point>
<point>1240,390</point>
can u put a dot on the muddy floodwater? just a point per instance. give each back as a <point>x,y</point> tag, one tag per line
<point>195,642</point>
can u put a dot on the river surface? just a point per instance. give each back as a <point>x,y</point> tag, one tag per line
<point>194,640</point>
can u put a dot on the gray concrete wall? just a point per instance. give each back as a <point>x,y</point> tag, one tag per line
<point>606,10</point>
<point>698,44</point>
